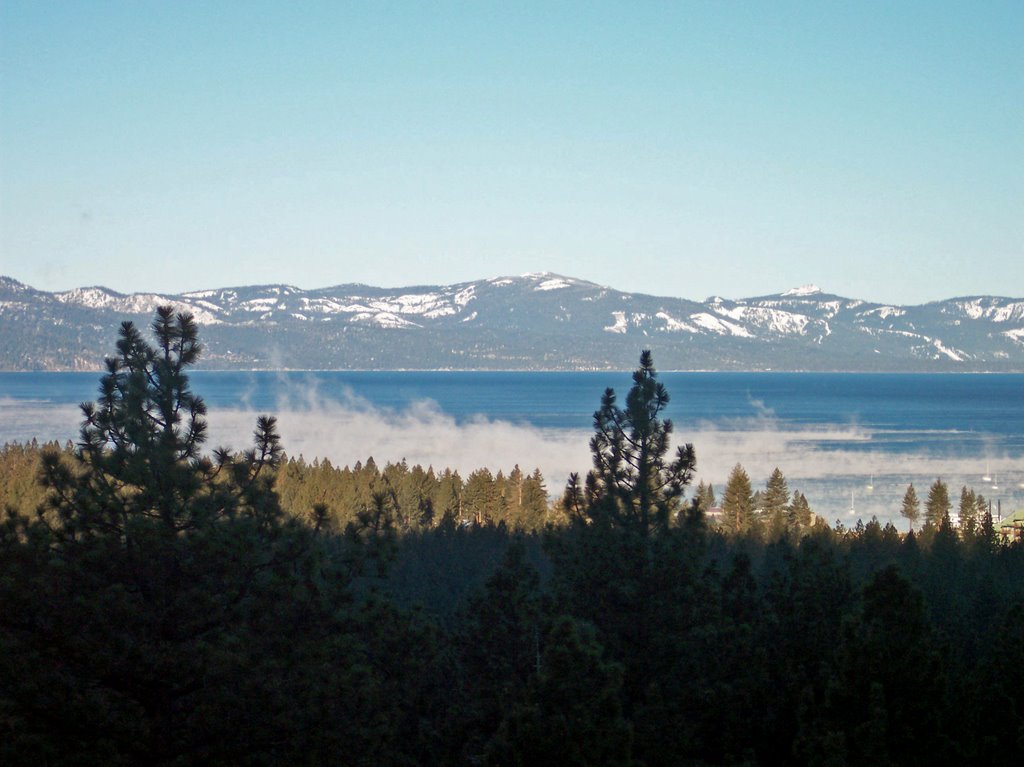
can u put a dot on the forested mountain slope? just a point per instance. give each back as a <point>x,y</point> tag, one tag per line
<point>532,322</point>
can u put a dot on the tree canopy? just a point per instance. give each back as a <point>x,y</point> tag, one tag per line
<point>633,483</point>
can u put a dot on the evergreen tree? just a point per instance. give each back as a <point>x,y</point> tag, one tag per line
<point>911,508</point>
<point>448,497</point>
<point>774,501</point>
<point>632,485</point>
<point>573,714</point>
<point>799,512</point>
<point>480,497</point>
<point>982,506</point>
<point>892,687</point>
<point>500,644</point>
<point>968,512</point>
<point>938,504</point>
<point>164,610</point>
<point>738,501</point>
<point>987,530</point>
<point>705,496</point>
<point>533,506</point>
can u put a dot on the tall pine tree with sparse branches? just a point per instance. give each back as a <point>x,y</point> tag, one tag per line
<point>168,611</point>
<point>911,506</point>
<point>139,456</point>
<point>633,483</point>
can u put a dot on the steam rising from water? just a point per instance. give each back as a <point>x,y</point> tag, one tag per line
<point>833,466</point>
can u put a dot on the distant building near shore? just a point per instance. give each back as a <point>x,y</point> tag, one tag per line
<point>1011,528</point>
<point>715,514</point>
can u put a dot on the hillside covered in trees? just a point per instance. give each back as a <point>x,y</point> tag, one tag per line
<point>167,604</point>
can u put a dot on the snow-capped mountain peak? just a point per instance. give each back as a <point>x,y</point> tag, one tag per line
<point>809,289</point>
<point>535,321</point>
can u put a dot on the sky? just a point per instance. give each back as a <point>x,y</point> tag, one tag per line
<point>685,149</point>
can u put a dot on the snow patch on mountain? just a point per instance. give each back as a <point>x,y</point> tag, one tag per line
<point>720,326</point>
<point>804,290</point>
<point>384,320</point>
<point>200,315</point>
<point>1012,312</point>
<point>620,324</point>
<point>553,284</point>
<point>954,354</point>
<point>257,304</point>
<point>136,303</point>
<point>972,309</point>
<point>465,295</point>
<point>989,308</point>
<point>774,320</point>
<point>960,332</point>
<point>99,298</point>
<point>427,304</point>
<point>893,332</point>
<point>885,312</point>
<point>672,324</point>
<point>8,283</point>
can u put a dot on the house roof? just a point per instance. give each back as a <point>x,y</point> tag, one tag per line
<point>1013,520</point>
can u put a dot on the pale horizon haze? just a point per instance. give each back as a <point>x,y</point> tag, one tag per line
<point>685,149</point>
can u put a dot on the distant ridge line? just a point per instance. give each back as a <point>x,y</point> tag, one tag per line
<point>537,321</point>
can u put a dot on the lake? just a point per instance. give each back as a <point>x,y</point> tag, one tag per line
<point>848,441</point>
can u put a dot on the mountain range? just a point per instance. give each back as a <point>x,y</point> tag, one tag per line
<point>538,321</point>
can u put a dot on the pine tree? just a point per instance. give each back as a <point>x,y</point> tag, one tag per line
<point>911,509</point>
<point>981,504</point>
<point>705,496</point>
<point>891,647</point>
<point>500,641</point>
<point>573,713</point>
<point>632,485</point>
<point>139,458</point>
<point>166,598</point>
<point>738,501</point>
<point>799,512</point>
<point>447,501</point>
<point>533,511</point>
<point>987,530</point>
<point>968,512</point>
<point>938,505</point>
<point>480,497</point>
<point>774,502</point>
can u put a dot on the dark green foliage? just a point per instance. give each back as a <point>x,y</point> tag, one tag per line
<point>968,512</point>
<point>911,508</point>
<point>775,501</point>
<point>20,465</point>
<point>414,498</point>
<point>500,645</point>
<point>704,496</point>
<point>938,504</point>
<point>738,502</point>
<point>166,607</point>
<point>1002,684</point>
<point>164,610</point>
<point>892,671</point>
<point>799,513</point>
<point>572,712</point>
<point>632,485</point>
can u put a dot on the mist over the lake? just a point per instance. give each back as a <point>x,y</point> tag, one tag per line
<point>834,466</point>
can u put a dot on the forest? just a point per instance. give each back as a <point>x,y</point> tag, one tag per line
<point>163,602</point>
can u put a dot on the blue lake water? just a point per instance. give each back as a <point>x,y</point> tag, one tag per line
<point>847,440</point>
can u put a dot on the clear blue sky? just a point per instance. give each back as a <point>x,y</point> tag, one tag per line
<point>682,149</point>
